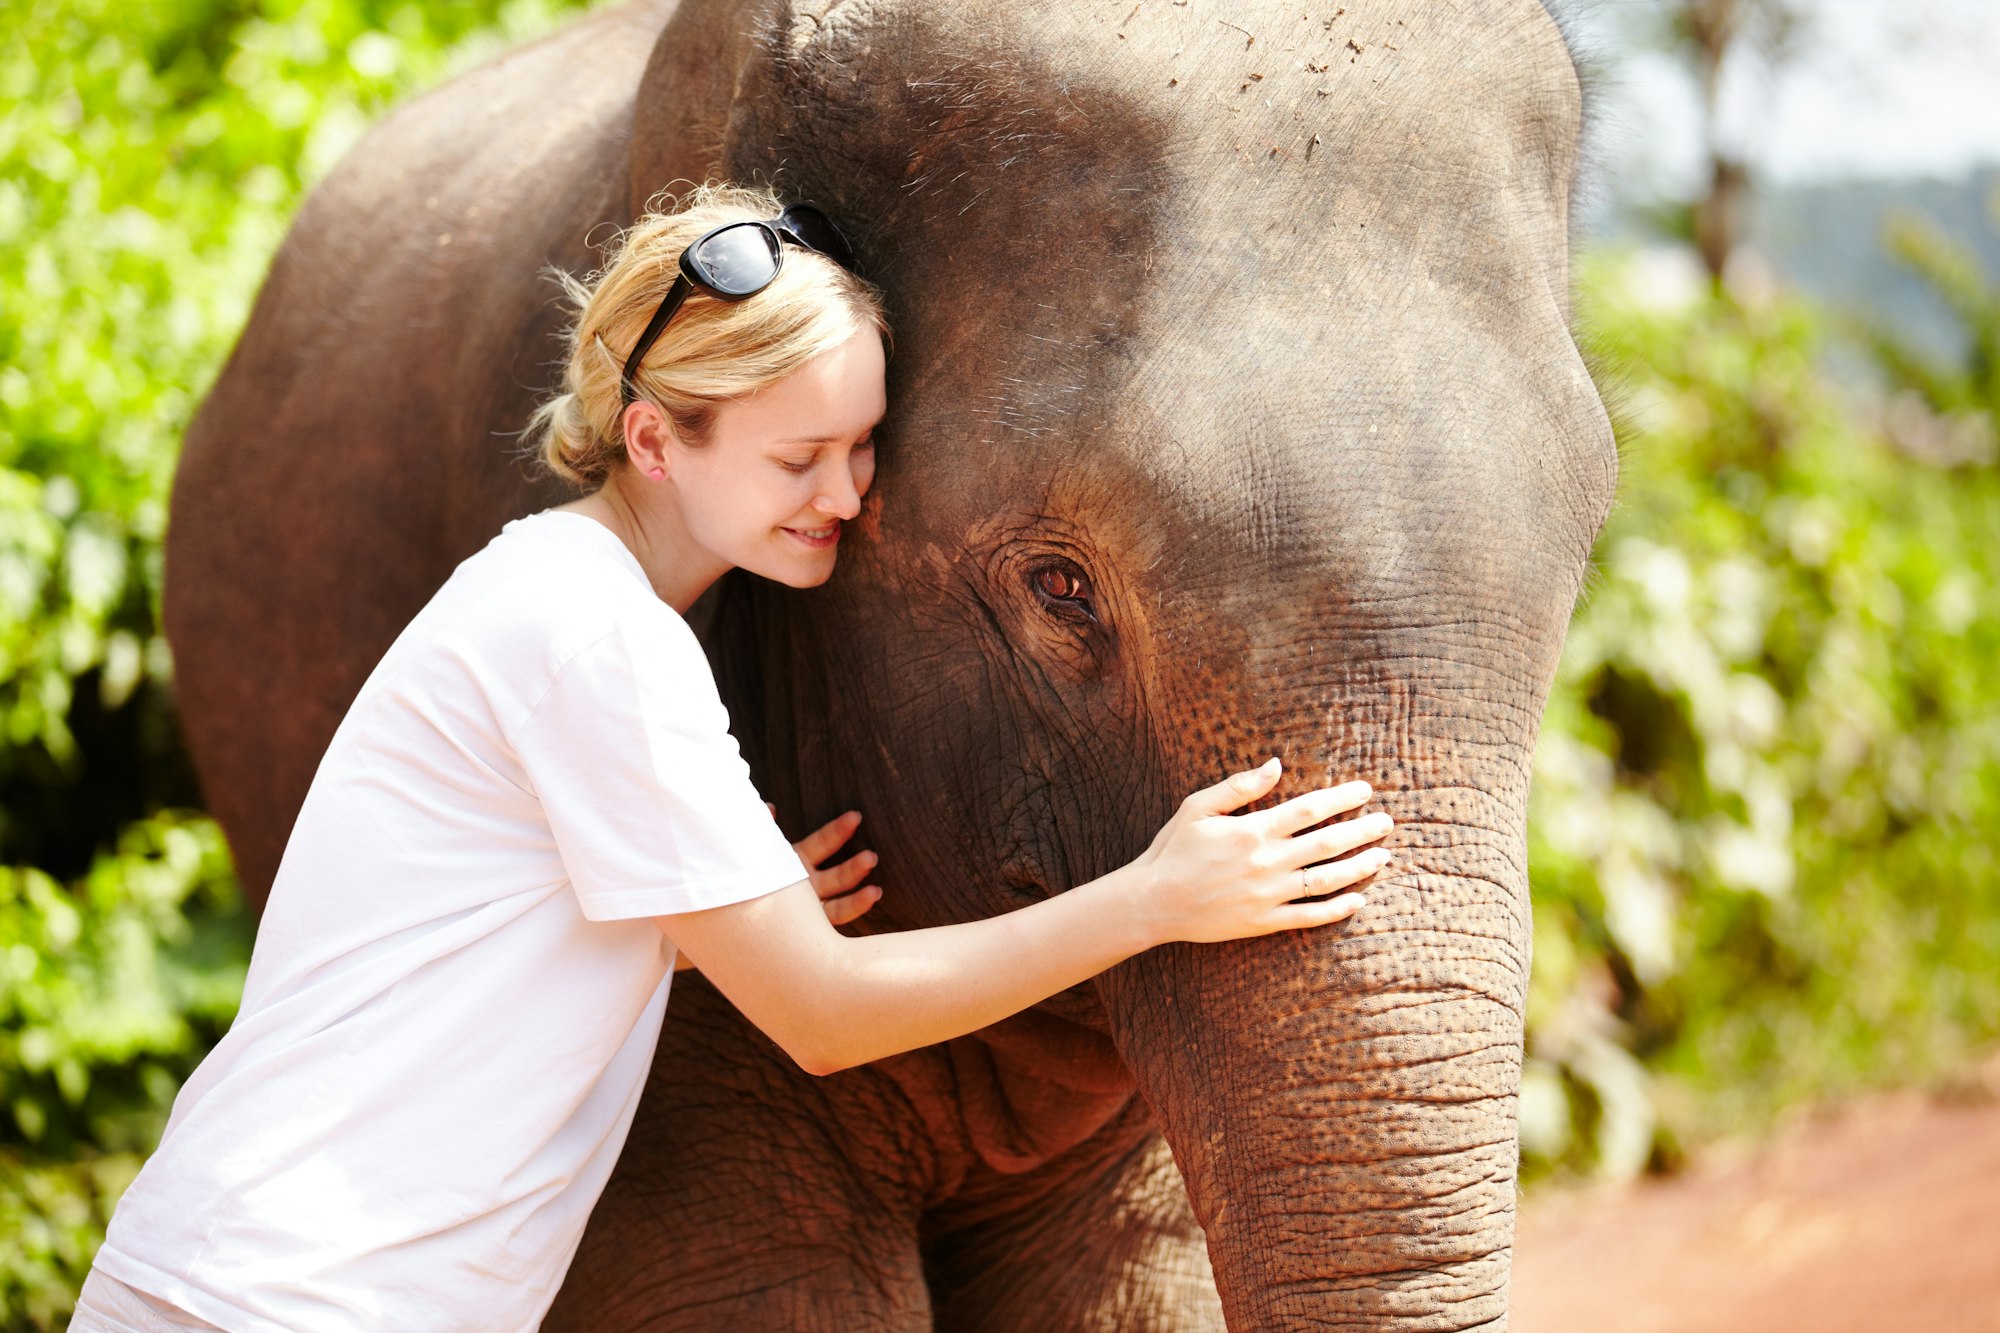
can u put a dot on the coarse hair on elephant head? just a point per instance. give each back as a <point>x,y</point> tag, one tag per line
<point>711,352</point>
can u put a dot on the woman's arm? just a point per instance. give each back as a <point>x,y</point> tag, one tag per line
<point>842,895</point>
<point>834,1002</point>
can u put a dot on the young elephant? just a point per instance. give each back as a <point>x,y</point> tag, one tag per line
<point>1233,411</point>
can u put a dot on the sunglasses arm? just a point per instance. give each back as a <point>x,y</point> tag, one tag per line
<point>676,294</point>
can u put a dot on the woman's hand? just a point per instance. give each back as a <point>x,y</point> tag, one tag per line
<point>1213,875</point>
<point>835,885</point>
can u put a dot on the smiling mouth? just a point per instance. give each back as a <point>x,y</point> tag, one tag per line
<point>818,538</point>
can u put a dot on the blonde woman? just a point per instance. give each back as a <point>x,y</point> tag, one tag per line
<point>534,808</point>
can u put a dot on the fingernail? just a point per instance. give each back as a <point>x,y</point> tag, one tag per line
<point>1269,764</point>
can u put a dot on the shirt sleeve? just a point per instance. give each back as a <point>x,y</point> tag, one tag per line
<point>647,796</point>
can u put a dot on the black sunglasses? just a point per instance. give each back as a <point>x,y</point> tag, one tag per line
<point>736,260</point>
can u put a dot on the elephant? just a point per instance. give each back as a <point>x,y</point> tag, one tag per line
<point>1234,409</point>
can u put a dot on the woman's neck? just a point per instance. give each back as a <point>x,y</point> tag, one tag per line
<point>651,528</point>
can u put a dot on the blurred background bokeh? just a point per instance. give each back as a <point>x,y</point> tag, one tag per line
<point>1766,790</point>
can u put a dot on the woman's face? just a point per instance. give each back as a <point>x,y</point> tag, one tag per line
<point>787,466</point>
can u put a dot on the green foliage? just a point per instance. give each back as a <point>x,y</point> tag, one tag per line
<point>109,993</point>
<point>151,155</point>
<point>1760,833</point>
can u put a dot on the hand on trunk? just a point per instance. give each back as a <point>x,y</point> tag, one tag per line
<point>1213,875</point>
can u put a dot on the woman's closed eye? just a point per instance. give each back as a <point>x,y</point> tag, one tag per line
<point>805,463</point>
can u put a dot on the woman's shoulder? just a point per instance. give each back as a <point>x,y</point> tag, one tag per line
<point>545,589</point>
<point>608,588</point>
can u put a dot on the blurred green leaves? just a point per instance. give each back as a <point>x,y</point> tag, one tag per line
<point>1760,831</point>
<point>152,157</point>
<point>109,992</point>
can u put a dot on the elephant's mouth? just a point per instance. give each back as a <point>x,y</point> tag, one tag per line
<point>1024,887</point>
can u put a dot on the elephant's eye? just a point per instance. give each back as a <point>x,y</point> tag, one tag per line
<point>1059,583</point>
<point>1064,590</point>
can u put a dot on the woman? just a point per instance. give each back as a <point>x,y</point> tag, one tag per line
<point>533,807</point>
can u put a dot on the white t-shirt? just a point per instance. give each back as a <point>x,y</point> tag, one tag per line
<point>456,988</point>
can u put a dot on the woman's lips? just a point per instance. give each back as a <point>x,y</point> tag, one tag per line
<point>818,538</point>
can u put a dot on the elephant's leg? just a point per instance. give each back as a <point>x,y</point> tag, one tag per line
<point>1101,1238</point>
<point>752,1196</point>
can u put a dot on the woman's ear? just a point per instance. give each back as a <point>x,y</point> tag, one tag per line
<point>647,435</point>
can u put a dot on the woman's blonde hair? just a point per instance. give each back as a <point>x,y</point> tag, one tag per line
<point>710,353</point>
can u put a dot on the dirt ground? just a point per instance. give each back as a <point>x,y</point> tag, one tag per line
<point>1883,1216</point>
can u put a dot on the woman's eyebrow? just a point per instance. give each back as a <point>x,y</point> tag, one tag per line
<point>830,439</point>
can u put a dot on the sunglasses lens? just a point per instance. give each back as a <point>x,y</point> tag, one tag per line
<point>737,261</point>
<point>816,229</point>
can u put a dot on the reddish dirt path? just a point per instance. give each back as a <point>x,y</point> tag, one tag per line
<point>1882,1217</point>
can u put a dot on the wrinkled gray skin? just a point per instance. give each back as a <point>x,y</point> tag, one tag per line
<point>1278,364</point>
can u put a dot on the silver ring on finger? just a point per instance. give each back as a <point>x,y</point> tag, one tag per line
<point>1305,882</point>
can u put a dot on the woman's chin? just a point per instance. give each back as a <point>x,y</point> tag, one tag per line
<point>795,573</point>
<point>812,579</point>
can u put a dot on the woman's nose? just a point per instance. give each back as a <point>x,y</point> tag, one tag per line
<point>843,503</point>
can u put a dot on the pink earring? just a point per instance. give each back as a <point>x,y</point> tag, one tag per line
<point>657,473</point>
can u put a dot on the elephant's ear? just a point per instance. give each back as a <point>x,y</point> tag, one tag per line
<point>716,84</point>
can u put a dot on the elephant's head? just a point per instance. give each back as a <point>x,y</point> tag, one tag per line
<point>1233,411</point>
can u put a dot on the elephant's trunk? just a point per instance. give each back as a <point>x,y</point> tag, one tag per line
<point>1342,1100</point>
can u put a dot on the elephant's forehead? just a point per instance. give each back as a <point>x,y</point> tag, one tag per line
<point>1454,72</point>
<point>1416,98</point>
<point>1073,211</point>
<point>1284,261</point>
